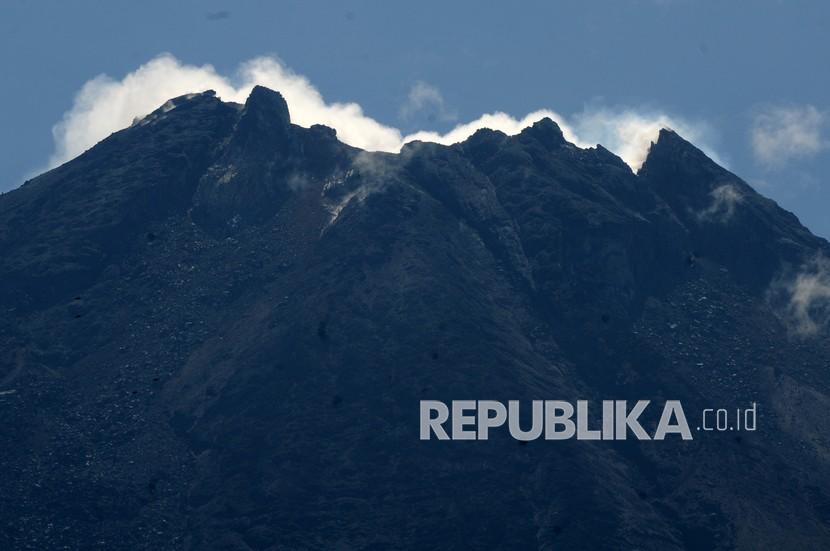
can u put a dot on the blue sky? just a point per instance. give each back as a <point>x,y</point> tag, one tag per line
<point>749,81</point>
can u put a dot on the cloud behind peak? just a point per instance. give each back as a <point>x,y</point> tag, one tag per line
<point>105,104</point>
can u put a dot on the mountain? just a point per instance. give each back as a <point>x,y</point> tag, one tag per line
<point>218,327</point>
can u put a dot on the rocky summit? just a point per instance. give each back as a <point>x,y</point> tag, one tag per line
<point>217,328</point>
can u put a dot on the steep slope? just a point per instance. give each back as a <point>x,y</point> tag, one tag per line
<point>219,326</point>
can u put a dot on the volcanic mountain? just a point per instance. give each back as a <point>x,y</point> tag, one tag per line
<point>217,328</point>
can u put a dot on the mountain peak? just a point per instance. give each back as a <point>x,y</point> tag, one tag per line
<point>546,131</point>
<point>265,121</point>
<point>668,134</point>
<point>268,103</point>
<point>668,139</point>
<point>671,146</point>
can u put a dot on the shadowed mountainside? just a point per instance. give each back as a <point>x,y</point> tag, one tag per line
<point>218,326</point>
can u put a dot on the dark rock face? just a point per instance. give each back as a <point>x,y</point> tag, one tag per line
<point>218,326</point>
<point>262,161</point>
<point>746,232</point>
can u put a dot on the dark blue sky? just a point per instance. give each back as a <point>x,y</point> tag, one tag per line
<point>756,74</point>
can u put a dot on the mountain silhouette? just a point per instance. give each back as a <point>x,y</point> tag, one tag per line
<point>217,328</point>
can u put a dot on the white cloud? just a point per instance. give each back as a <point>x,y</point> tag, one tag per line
<point>626,132</point>
<point>725,198</point>
<point>783,133</point>
<point>629,132</point>
<point>803,300</point>
<point>496,121</point>
<point>105,105</point>
<point>426,98</point>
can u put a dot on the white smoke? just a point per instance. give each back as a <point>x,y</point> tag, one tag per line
<point>629,132</point>
<point>725,199</point>
<point>495,121</point>
<point>784,133</point>
<point>426,98</point>
<point>803,300</point>
<point>105,105</point>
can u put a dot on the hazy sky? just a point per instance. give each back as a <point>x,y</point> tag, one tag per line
<point>746,80</point>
